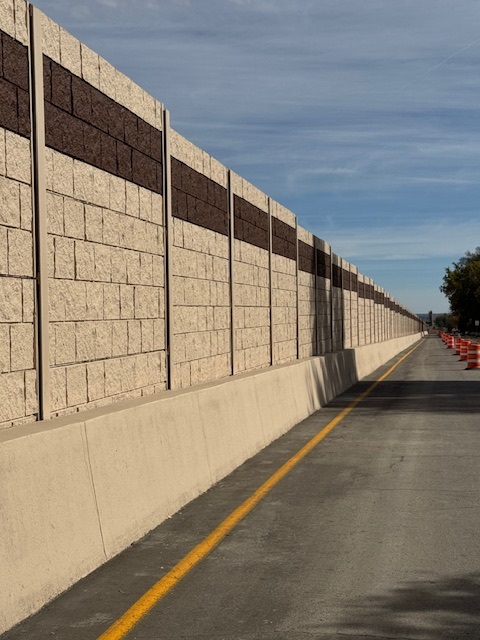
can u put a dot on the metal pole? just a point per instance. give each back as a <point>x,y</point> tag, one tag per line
<point>37,114</point>
<point>168,230</point>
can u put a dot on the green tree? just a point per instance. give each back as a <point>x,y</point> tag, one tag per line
<point>461,285</point>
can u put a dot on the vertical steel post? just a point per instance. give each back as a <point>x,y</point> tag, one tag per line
<point>168,230</point>
<point>39,204</point>
<point>270,286</point>
<point>231,238</point>
<point>297,272</point>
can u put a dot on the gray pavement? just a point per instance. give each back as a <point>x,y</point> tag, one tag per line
<point>376,534</point>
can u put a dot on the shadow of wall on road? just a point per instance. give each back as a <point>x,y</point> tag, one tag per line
<point>425,396</point>
<point>433,608</point>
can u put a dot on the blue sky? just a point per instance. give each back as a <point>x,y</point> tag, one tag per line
<point>361,117</point>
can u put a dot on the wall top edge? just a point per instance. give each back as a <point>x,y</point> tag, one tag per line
<point>14,19</point>
<point>187,152</point>
<point>66,50</point>
<point>249,192</point>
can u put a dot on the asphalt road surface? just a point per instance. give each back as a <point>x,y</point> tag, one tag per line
<point>374,535</point>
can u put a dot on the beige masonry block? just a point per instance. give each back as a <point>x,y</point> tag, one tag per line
<point>146,269</point>
<point>305,236</point>
<point>134,336</point>
<point>93,223</point>
<point>76,385</point>
<point>21,340</point>
<point>282,213</point>
<point>26,211</point>
<point>158,271</point>
<point>3,250</point>
<point>111,233</point>
<point>70,54</point>
<point>119,338</point>
<point>63,174</point>
<point>74,219</point>
<point>147,335</point>
<point>158,334</point>
<point>31,399</point>
<point>133,267</point>
<point>51,38</point>
<point>85,341</point>
<point>82,181</point>
<point>100,194</point>
<point>12,396</point>
<point>4,348</point>
<point>132,205</point>
<point>113,375</point>
<point>84,260</point>
<point>181,148</point>
<point>103,340</point>
<point>146,302</point>
<point>10,211</point>
<point>119,264</point>
<point>90,66</point>
<point>111,301</point>
<point>123,88</point>
<point>7,17</point>
<point>255,196</point>
<point>145,203</point>
<point>103,263</point>
<point>107,78</point>
<point>117,201</point>
<point>51,255</point>
<point>3,167</point>
<point>64,258</point>
<point>10,300</point>
<point>64,352</point>
<point>21,20</point>
<point>157,209</point>
<point>127,366</point>
<point>95,381</point>
<point>58,388</point>
<point>127,304</point>
<point>49,168</point>
<point>75,299</point>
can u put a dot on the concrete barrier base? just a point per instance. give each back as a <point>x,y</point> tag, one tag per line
<point>76,491</point>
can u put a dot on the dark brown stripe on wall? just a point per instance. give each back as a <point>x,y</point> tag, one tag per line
<point>336,276</point>
<point>198,199</point>
<point>306,257</point>
<point>361,289</point>
<point>354,282</point>
<point>14,86</point>
<point>251,223</point>
<point>324,264</point>
<point>284,239</point>
<point>346,280</point>
<point>87,125</point>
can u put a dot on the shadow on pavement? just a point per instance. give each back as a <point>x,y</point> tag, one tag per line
<point>427,610</point>
<point>418,396</point>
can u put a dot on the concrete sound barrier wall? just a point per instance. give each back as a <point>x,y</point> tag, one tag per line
<point>79,489</point>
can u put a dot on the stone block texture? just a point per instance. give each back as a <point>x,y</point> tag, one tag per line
<point>106,230</point>
<point>284,284</point>
<point>251,273</point>
<point>18,395</point>
<point>337,304</point>
<point>201,321</point>
<point>238,258</point>
<point>324,296</point>
<point>307,294</point>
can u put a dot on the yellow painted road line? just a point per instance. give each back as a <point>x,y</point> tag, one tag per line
<point>135,613</point>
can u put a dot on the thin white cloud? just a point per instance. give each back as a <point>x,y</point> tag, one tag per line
<point>446,239</point>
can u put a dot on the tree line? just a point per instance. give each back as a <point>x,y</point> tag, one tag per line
<point>461,285</point>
